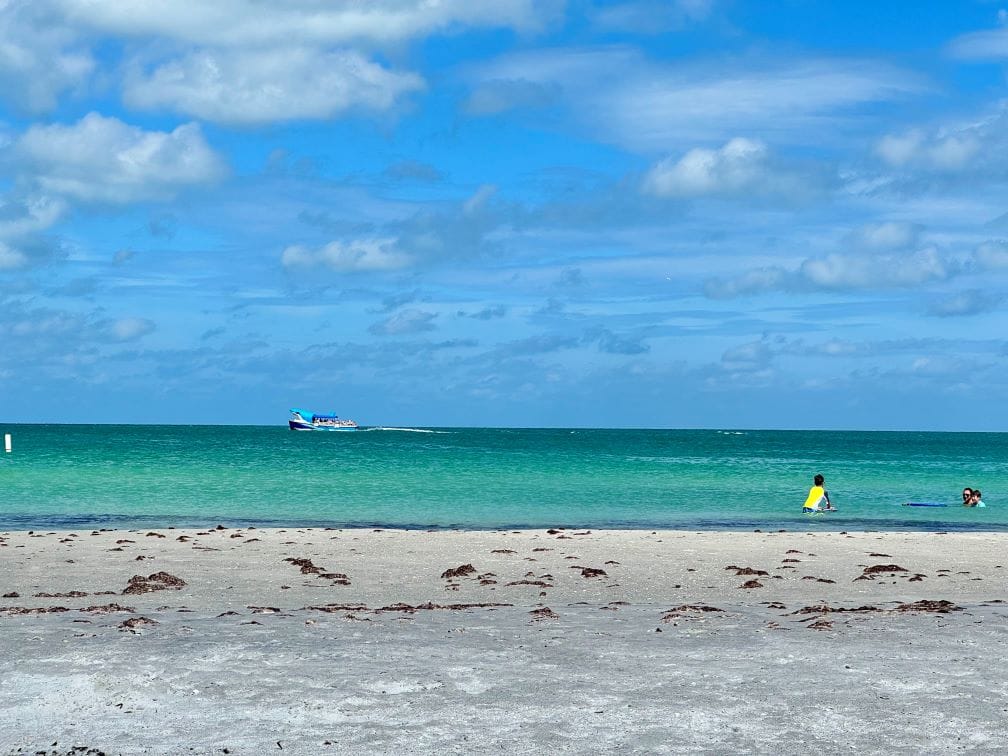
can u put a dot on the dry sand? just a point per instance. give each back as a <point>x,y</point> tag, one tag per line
<point>248,641</point>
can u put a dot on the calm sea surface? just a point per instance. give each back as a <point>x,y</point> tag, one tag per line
<point>75,476</point>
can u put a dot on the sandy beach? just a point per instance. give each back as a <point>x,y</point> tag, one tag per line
<point>250,640</point>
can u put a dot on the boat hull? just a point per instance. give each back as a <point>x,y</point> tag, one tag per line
<point>298,426</point>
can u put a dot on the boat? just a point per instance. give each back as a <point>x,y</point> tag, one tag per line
<point>304,420</point>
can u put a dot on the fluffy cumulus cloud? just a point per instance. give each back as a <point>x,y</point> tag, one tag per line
<point>266,86</point>
<point>940,151</point>
<point>233,61</point>
<point>22,221</point>
<point>41,340</point>
<point>28,215</point>
<point>102,159</point>
<point>347,257</point>
<point>40,59</point>
<point>975,148</point>
<point>854,271</point>
<point>877,256</point>
<point>740,167</point>
<point>772,352</point>
<point>754,281</point>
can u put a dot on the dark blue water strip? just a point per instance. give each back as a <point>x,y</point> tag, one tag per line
<point>829,523</point>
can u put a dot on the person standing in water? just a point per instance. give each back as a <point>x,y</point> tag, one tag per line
<point>817,495</point>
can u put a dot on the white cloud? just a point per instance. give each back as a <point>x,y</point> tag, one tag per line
<point>859,270</point>
<point>280,84</point>
<point>30,215</point>
<point>361,255</point>
<point>991,256</point>
<point>405,322</point>
<point>11,258</point>
<point>754,353</point>
<point>990,44</point>
<point>885,236</point>
<point>971,302</point>
<point>105,160</point>
<point>751,282</point>
<point>39,58</point>
<point>252,23</point>
<point>882,271</point>
<point>940,151</point>
<point>43,323</point>
<point>969,149</point>
<point>22,219</point>
<point>741,166</point>
<point>232,60</point>
<point>837,347</point>
<point>479,199</point>
<point>654,107</point>
<point>130,329</point>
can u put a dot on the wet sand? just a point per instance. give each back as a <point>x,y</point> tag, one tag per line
<point>338,641</point>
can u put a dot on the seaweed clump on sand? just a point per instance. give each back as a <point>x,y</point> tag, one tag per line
<point>108,609</point>
<point>739,571</point>
<point>159,581</point>
<point>461,571</point>
<point>133,623</point>
<point>869,573</point>
<point>545,613</point>
<point>686,610</point>
<point>927,605</point>
<point>308,568</point>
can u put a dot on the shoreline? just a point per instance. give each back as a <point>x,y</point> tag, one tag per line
<point>802,524</point>
<point>576,641</point>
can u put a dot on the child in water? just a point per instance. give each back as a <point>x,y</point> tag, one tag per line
<point>816,496</point>
<point>971,498</point>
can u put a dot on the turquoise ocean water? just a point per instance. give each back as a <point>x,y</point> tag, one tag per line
<point>76,476</point>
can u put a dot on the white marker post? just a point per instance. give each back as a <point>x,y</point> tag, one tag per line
<point>7,442</point>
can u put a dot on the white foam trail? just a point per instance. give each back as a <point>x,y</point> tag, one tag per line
<point>406,430</point>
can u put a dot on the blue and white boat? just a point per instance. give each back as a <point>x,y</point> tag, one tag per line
<point>304,420</point>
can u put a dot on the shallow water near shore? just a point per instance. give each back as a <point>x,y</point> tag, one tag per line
<point>66,476</point>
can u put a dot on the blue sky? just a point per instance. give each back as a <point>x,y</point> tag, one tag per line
<point>689,213</point>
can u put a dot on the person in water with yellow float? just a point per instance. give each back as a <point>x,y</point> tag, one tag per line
<point>817,496</point>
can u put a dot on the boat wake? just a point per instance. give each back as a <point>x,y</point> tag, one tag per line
<point>406,430</point>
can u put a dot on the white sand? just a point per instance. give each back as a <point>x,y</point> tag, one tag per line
<point>596,677</point>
